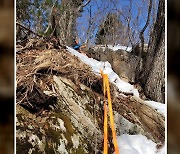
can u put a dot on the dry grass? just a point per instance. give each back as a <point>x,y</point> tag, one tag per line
<point>35,69</point>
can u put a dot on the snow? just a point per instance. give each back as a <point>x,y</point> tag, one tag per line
<point>114,47</point>
<point>106,67</point>
<point>120,47</point>
<point>137,144</point>
<point>128,144</point>
<point>158,106</point>
<point>162,150</point>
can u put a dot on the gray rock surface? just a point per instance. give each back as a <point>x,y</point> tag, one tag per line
<point>123,63</point>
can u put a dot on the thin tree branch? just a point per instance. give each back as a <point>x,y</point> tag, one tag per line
<point>50,24</point>
<point>22,26</point>
<point>83,5</point>
<point>141,36</point>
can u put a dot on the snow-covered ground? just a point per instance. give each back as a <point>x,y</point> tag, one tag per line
<point>137,144</point>
<point>115,47</point>
<point>157,106</point>
<point>106,67</point>
<point>128,144</point>
<point>120,47</point>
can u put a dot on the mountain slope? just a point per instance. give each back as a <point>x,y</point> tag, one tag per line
<point>60,105</point>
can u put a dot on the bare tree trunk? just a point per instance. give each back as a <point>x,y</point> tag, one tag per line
<point>63,23</point>
<point>144,28</point>
<point>153,76</point>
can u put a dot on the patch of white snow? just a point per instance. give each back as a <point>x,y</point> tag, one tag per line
<point>120,47</point>
<point>162,150</point>
<point>106,67</point>
<point>135,144</point>
<point>158,106</point>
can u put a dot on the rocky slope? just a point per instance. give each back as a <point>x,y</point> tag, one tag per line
<point>60,106</point>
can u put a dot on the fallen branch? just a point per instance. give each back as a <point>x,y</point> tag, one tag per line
<point>22,26</point>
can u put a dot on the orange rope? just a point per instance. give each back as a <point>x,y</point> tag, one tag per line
<point>105,130</point>
<point>107,89</point>
<point>105,119</point>
<point>111,116</point>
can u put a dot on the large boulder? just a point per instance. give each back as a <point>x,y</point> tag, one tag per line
<point>123,63</point>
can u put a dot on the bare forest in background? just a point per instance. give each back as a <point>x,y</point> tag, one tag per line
<point>92,21</point>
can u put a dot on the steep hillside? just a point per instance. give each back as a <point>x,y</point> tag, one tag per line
<point>60,106</point>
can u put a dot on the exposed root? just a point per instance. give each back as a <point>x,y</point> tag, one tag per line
<point>35,69</point>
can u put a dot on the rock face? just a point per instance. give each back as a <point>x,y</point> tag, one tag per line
<point>73,122</point>
<point>69,128</point>
<point>122,62</point>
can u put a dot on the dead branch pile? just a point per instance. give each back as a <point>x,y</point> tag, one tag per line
<point>35,69</point>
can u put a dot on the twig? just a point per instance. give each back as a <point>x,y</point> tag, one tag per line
<point>25,96</point>
<point>22,26</point>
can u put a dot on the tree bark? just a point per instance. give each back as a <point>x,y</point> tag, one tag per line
<point>152,76</point>
<point>70,10</point>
